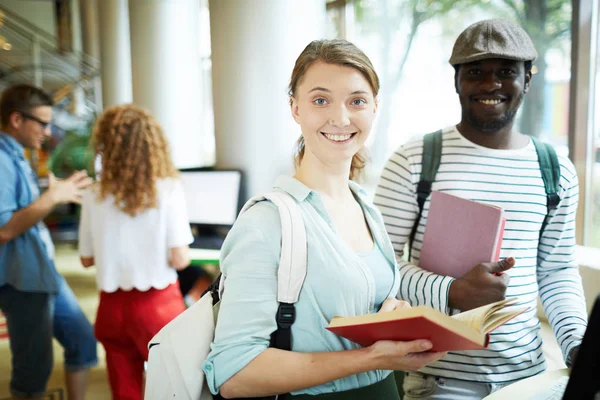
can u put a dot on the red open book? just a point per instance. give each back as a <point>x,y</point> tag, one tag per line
<point>468,330</point>
<point>459,234</point>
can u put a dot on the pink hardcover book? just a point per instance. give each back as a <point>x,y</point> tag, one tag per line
<point>459,234</point>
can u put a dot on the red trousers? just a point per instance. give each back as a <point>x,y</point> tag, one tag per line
<point>125,323</point>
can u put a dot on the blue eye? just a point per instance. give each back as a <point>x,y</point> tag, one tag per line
<point>320,102</point>
<point>358,102</point>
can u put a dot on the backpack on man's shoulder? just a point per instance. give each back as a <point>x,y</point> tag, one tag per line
<point>177,352</point>
<point>430,164</point>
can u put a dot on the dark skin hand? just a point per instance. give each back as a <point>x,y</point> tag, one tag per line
<point>484,284</point>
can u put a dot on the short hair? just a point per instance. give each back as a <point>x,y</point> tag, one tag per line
<point>22,97</point>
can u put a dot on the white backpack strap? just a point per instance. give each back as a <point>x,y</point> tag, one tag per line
<point>292,264</point>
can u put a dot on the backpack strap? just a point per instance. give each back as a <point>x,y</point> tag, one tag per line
<point>550,170</point>
<point>292,264</point>
<point>430,163</point>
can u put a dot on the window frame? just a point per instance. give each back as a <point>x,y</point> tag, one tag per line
<point>584,47</point>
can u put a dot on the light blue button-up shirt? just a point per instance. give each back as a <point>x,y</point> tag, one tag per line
<point>26,262</point>
<point>338,283</point>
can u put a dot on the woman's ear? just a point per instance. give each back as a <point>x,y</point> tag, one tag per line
<point>294,109</point>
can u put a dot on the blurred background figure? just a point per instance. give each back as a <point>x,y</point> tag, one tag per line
<point>37,302</point>
<point>134,229</point>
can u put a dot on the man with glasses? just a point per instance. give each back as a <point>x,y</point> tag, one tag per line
<point>36,301</point>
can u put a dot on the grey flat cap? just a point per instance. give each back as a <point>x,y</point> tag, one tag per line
<point>493,38</point>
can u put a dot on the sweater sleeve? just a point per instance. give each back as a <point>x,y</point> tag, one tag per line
<point>249,261</point>
<point>558,276</point>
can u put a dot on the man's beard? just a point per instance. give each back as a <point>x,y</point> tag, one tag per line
<point>492,125</point>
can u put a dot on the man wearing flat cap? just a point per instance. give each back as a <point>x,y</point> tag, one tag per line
<point>483,158</point>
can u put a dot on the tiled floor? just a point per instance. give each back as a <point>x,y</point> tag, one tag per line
<point>83,283</point>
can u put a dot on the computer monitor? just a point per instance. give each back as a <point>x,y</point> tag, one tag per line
<point>584,382</point>
<point>213,197</point>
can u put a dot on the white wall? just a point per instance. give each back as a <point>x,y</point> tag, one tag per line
<point>39,13</point>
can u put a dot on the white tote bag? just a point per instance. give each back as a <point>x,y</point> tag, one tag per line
<point>178,351</point>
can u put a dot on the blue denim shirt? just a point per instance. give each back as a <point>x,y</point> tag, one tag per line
<point>25,261</point>
<point>338,282</point>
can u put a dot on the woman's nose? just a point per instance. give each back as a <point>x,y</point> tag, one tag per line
<point>341,118</point>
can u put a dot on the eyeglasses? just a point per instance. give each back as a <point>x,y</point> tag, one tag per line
<point>44,124</point>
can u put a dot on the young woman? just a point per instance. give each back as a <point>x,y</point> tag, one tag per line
<point>135,229</point>
<point>351,265</point>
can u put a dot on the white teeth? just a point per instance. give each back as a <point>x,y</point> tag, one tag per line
<point>490,102</point>
<point>337,138</point>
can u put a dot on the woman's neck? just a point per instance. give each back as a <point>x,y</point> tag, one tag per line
<point>329,180</point>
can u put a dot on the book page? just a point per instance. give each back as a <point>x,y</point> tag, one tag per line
<point>499,317</point>
<point>483,319</point>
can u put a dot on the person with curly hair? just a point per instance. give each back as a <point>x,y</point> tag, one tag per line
<point>134,228</point>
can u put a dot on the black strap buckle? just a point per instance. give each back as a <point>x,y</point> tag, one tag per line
<point>213,289</point>
<point>286,315</point>
<point>423,190</point>
<point>552,200</point>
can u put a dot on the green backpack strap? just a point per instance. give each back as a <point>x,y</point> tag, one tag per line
<point>550,169</point>
<point>430,163</point>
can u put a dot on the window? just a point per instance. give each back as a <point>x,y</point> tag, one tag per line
<point>591,197</point>
<point>584,129</point>
<point>594,227</point>
<point>410,41</point>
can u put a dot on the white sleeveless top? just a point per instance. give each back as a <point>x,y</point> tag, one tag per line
<point>133,252</point>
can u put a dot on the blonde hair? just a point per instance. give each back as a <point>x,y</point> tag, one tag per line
<point>336,52</point>
<point>135,154</point>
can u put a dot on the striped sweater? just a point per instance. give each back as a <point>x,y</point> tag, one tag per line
<point>510,179</point>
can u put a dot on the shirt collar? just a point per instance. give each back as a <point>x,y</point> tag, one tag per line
<point>300,191</point>
<point>11,143</point>
<point>293,186</point>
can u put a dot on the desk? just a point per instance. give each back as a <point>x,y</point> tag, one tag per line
<point>529,387</point>
<point>204,256</point>
<point>208,259</point>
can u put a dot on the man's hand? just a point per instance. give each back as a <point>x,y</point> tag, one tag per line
<point>68,190</point>
<point>59,191</point>
<point>484,284</point>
